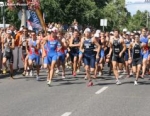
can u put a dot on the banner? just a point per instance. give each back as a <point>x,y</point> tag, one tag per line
<point>34,22</point>
<point>134,5</point>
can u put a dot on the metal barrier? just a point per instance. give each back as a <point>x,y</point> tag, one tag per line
<point>18,63</point>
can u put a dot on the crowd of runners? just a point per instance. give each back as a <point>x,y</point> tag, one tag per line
<point>122,51</point>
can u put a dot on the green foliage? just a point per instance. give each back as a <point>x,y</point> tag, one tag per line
<point>87,12</point>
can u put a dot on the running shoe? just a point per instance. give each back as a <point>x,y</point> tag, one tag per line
<point>49,83</point>
<point>78,71</point>
<point>74,74</point>
<point>135,83</point>
<point>4,71</point>
<point>57,71</point>
<point>85,77</point>
<point>37,78</point>
<point>118,82</point>
<point>24,74</point>
<point>63,77</point>
<point>90,84</point>
<point>31,73</point>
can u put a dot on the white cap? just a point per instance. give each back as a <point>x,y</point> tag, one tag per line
<point>128,33</point>
<point>54,29</point>
<point>125,30</point>
<point>111,32</point>
<point>49,30</point>
<point>98,31</point>
<point>139,32</point>
<point>9,32</point>
<point>96,35</point>
<point>87,30</point>
<point>134,31</point>
<point>21,29</point>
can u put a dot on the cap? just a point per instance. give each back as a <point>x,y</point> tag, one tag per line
<point>49,30</point>
<point>54,29</point>
<point>87,30</point>
<point>111,32</point>
<point>128,33</point>
<point>96,35</point>
<point>98,31</point>
<point>9,31</point>
<point>125,30</point>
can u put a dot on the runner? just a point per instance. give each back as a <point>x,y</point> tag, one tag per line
<point>74,50</point>
<point>8,46</point>
<point>51,44</point>
<point>136,57</point>
<point>144,40</point>
<point>117,48</point>
<point>89,57</point>
<point>34,47</point>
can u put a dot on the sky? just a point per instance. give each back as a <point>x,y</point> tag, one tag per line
<point>133,8</point>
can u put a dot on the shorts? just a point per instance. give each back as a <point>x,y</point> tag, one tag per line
<point>126,57</point>
<point>72,55</point>
<point>89,60</point>
<point>145,55</point>
<point>49,59</point>
<point>24,54</point>
<point>80,53</point>
<point>61,57</point>
<point>35,57</point>
<point>102,53</point>
<point>117,59</point>
<point>9,58</point>
<point>136,61</point>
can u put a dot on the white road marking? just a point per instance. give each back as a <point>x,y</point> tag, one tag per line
<point>66,114</point>
<point>101,90</point>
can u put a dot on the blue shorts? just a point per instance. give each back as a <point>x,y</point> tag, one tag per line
<point>49,59</point>
<point>145,55</point>
<point>89,60</point>
<point>102,53</point>
<point>126,57</point>
<point>35,57</point>
<point>80,53</point>
<point>61,57</point>
<point>72,55</point>
<point>66,51</point>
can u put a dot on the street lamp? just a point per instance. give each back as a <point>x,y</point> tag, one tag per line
<point>2,12</point>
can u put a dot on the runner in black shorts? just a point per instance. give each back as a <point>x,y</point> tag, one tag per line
<point>136,57</point>
<point>117,47</point>
<point>8,46</point>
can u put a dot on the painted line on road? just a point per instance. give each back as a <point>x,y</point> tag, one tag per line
<point>66,114</point>
<point>101,90</point>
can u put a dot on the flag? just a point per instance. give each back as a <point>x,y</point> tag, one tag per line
<point>34,22</point>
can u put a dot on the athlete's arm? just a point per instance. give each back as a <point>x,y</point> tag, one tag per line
<point>13,44</point>
<point>81,45</point>
<point>124,46</point>
<point>110,50</point>
<point>97,44</point>
<point>73,45</point>
<point>129,50</point>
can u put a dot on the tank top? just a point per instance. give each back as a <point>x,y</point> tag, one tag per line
<point>127,42</point>
<point>75,49</point>
<point>32,50</point>
<point>24,42</point>
<point>117,47</point>
<point>136,51</point>
<point>51,46</point>
<point>88,47</point>
<point>8,42</point>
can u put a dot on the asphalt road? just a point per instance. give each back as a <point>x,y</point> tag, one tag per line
<point>71,96</point>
